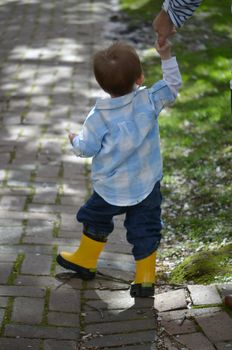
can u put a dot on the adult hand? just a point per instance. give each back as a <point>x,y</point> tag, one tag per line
<point>163,26</point>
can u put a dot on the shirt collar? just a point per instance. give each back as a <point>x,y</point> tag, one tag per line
<point>117,102</point>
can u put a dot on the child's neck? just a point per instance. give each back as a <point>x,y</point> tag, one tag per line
<point>135,87</point>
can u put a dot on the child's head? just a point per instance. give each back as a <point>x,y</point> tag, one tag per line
<point>117,69</point>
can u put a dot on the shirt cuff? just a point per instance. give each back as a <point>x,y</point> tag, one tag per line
<point>75,141</point>
<point>165,5</point>
<point>171,62</point>
<point>75,146</point>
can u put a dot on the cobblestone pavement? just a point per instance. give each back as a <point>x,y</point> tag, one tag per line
<point>46,88</point>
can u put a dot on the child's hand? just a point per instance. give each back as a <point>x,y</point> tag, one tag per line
<point>164,50</point>
<point>71,136</point>
<point>164,27</point>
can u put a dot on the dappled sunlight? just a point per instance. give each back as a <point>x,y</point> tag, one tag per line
<point>46,85</point>
<point>196,140</point>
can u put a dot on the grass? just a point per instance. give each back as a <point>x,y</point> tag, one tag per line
<point>204,267</point>
<point>196,133</point>
<point>16,269</point>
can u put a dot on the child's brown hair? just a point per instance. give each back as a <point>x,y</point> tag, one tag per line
<point>117,68</point>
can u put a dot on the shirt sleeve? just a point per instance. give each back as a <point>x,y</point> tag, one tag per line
<point>89,141</point>
<point>171,74</point>
<point>180,10</point>
<point>165,91</point>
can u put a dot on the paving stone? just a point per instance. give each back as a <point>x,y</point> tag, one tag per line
<point>64,300</point>
<point>117,300</point>
<point>28,310</point>
<point>171,300</point>
<point>204,295</point>
<point>70,234</point>
<point>74,170</point>
<point>117,315</point>
<point>171,344</point>
<point>3,302</point>
<point>10,235</point>
<point>17,175</point>
<point>115,261</point>
<point>6,258</point>
<point>21,291</point>
<point>40,237</point>
<point>180,314</point>
<point>48,171</point>
<point>120,274</point>
<point>45,197</point>
<point>42,281</point>
<point>2,311</point>
<point>36,225</point>
<point>68,222</point>
<point>63,319</point>
<point>59,345</point>
<point>35,117</point>
<point>5,271</point>
<point>41,219</point>
<point>72,190</point>
<point>212,329</point>
<point>225,288</point>
<point>15,191</point>
<point>20,183</point>
<point>121,327</point>
<point>144,346</point>
<point>224,346</point>
<point>195,341</point>
<point>26,249</point>
<point>12,203</point>
<point>36,264</point>
<point>19,344</point>
<point>41,332</point>
<point>75,201</point>
<point>179,326</point>
<point>5,158</point>
<point>46,208</point>
<point>118,248</point>
<point>100,283</point>
<point>120,339</point>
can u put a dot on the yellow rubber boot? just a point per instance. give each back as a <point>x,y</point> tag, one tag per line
<point>143,285</point>
<point>84,260</point>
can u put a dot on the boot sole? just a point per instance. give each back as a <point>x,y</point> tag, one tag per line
<point>139,291</point>
<point>82,272</point>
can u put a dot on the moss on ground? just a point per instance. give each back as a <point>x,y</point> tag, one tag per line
<point>205,267</point>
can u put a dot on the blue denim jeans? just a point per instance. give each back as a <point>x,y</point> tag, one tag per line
<point>142,222</point>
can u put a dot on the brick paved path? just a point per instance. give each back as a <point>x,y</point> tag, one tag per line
<point>46,88</point>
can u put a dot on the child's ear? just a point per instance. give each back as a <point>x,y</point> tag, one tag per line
<point>140,80</point>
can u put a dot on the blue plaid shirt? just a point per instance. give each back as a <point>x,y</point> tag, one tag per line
<point>122,136</point>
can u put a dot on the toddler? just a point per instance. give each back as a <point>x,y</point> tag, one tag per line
<point>121,134</point>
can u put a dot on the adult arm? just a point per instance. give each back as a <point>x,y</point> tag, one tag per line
<point>173,14</point>
<point>180,10</point>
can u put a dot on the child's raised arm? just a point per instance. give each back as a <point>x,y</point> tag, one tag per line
<point>171,73</point>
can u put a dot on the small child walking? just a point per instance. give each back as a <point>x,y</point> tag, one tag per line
<point>121,134</point>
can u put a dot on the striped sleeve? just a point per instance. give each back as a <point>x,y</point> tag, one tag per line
<point>180,10</point>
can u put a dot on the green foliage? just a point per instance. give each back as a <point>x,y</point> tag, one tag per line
<point>141,9</point>
<point>196,133</point>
